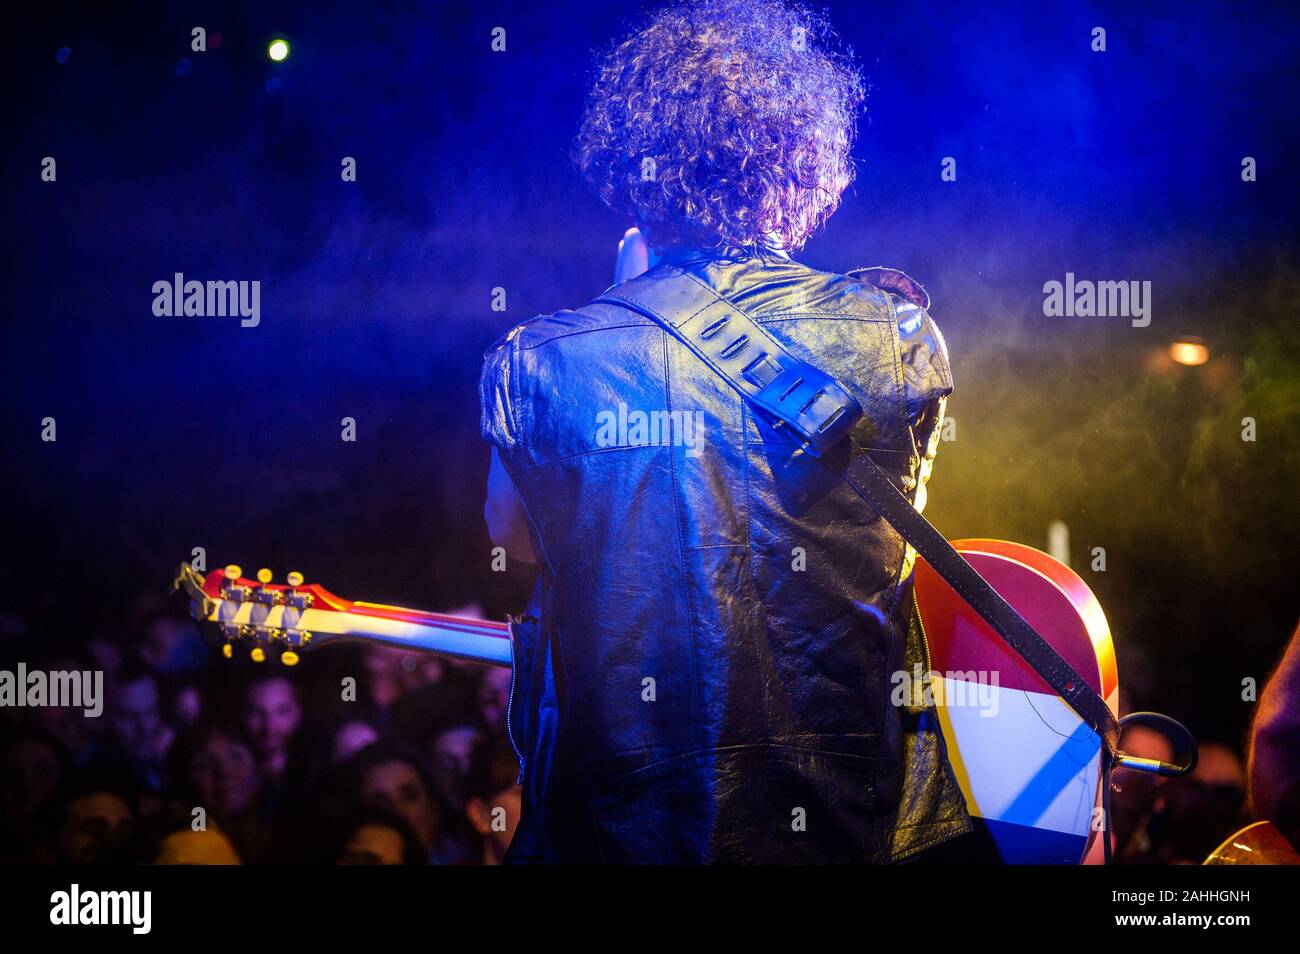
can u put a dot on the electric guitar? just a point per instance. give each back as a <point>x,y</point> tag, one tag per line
<point>1029,768</point>
<point>1259,843</point>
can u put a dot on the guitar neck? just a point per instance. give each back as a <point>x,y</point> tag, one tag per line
<point>455,637</point>
<point>294,617</point>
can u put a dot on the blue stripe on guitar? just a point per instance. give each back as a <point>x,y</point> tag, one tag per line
<point>1026,845</point>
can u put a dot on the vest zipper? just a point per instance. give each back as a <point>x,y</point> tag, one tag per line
<point>510,704</point>
<point>920,625</point>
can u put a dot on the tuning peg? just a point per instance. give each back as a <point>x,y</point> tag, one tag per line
<point>233,572</point>
<point>294,578</point>
<point>289,657</point>
<point>264,575</point>
<point>258,654</point>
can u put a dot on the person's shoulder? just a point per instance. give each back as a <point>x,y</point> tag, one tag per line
<point>875,293</point>
<point>554,328</point>
<point>509,338</point>
<point>911,304</point>
<point>894,281</point>
<point>926,368</point>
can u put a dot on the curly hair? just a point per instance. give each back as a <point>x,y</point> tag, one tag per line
<point>723,124</point>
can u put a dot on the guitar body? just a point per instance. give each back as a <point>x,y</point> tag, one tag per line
<point>1257,844</point>
<point>1029,767</point>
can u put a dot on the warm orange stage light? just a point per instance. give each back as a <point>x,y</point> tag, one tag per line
<point>1189,351</point>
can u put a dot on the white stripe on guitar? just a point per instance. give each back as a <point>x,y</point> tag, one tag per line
<point>1045,760</point>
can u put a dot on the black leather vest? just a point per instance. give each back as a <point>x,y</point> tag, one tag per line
<point>707,673</point>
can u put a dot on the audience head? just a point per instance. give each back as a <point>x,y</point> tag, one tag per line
<point>134,713</point>
<point>175,836</point>
<point>376,837</point>
<point>491,796</point>
<point>271,716</point>
<point>32,763</point>
<point>213,766</point>
<point>89,816</point>
<point>392,777</point>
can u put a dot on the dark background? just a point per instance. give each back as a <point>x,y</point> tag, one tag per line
<point>182,432</point>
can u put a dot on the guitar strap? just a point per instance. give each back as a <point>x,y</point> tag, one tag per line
<point>796,397</point>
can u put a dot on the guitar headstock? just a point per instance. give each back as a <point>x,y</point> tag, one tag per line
<point>263,618</point>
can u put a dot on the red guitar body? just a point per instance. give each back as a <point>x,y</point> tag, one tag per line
<point>1029,767</point>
